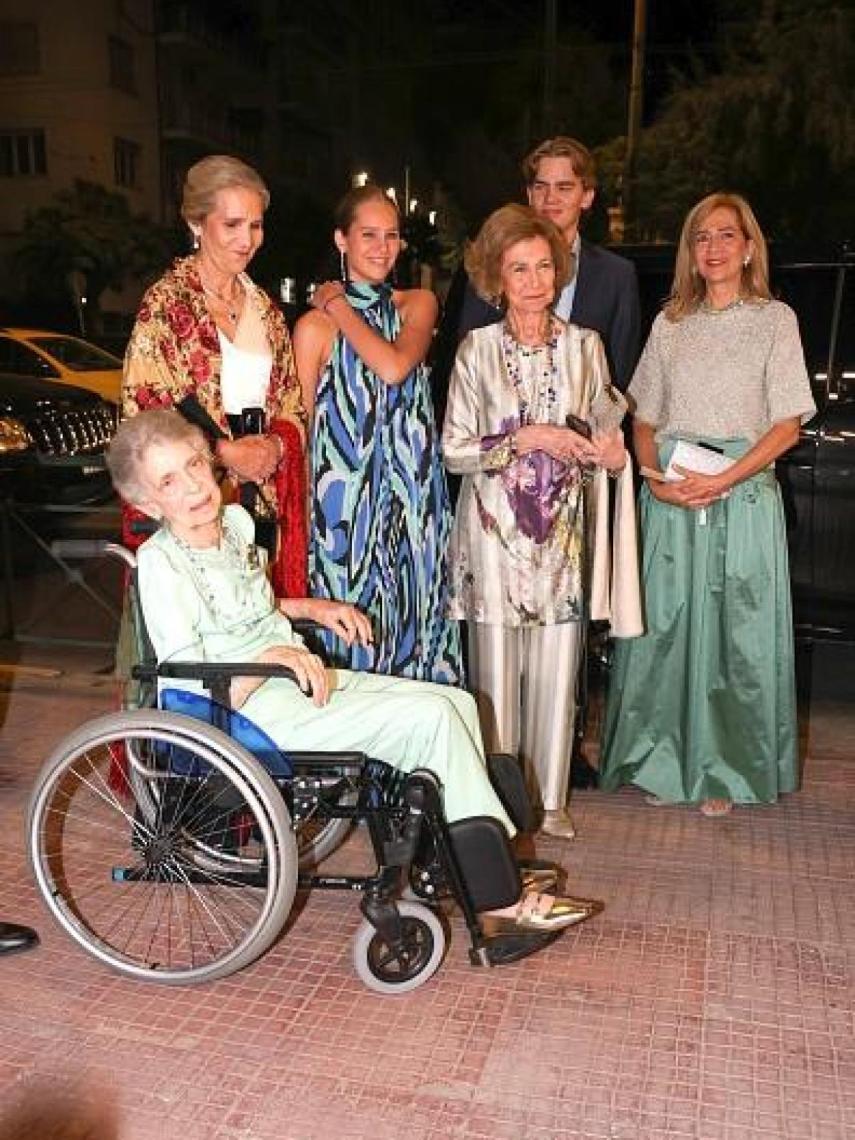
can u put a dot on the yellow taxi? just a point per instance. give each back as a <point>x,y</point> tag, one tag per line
<point>58,356</point>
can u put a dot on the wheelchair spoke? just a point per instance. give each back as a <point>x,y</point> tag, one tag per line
<point>161,872</point>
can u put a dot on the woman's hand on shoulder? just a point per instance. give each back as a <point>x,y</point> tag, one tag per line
<point>308,669</point>
<point>328,296</point>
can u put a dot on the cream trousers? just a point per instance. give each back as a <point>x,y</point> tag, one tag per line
<point>524,682</point>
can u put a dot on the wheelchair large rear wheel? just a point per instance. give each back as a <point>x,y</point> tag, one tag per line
<point>162,847</point>
<point>400,969</point>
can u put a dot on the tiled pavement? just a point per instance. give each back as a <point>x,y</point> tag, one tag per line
<point>714,998</point>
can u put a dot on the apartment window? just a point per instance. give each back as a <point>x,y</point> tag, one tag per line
<point>19,48</point>
<point>122,73</point>
<point>22,153</point>
<point>126,163</point>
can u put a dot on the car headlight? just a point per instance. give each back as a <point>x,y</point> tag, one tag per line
<point>13,436</point>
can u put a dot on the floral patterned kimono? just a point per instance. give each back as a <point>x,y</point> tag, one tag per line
<point>174,351</point>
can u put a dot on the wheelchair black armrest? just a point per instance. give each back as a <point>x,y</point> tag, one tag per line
<point>306,625</point>
<point>210,671</point>
<point>207,672</point>
<point>215,676</point>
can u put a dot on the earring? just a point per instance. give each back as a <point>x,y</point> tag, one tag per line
<point>342,260</point>
<point>196,242</point>
<point>746,262</point>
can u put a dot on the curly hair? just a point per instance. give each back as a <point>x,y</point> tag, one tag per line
<point>135,436</point>
<point>504,228</point>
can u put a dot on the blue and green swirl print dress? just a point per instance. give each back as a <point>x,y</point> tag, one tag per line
<point>380,516</point>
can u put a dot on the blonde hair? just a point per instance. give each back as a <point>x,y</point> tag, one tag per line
<point>135,436</point>
<point>562,146</point>
<point>689,288</point>
<point>206,178</point>
<point>504,228</point>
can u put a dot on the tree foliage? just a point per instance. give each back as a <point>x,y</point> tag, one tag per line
<point>90,230</point>
<point>775,122</point>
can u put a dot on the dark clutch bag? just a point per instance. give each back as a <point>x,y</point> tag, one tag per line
<point>580,426</point>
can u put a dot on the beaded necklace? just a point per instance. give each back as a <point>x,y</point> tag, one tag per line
<point>243,555</point>
<point>537,406</point>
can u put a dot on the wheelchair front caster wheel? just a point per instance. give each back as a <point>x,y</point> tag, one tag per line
<point>398,970</point>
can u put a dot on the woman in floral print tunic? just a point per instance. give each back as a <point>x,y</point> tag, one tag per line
<point>532,486</point>
<point>205,333</point>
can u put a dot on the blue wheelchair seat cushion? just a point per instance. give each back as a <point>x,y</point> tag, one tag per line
<point>240,728</point>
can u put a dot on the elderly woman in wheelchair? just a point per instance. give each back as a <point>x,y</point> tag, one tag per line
<point>187,802</point>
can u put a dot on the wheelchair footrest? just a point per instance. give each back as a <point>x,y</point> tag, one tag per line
<point>502,949</point>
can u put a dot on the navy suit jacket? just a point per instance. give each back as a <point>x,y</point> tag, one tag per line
<point>606,299</point>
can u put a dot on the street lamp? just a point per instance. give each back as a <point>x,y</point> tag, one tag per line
<point>360,179</point>
<point>413,203</point>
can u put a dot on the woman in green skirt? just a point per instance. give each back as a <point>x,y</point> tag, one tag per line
<point>702,709</point>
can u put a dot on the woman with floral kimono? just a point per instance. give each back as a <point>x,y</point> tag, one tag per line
<point>208,341</point>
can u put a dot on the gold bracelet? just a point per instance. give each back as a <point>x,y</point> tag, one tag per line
<point>502,454</point>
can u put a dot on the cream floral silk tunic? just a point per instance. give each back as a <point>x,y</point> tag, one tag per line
<point>517,542</point>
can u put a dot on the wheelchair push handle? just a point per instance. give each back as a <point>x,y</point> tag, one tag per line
<point>85,548</point>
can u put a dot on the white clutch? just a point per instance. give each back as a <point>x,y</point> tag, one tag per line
<point>694,457</point>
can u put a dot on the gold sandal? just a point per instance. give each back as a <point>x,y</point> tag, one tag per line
<point>564,911</point>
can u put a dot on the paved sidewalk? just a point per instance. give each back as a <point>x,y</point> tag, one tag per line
<point>714,998</point>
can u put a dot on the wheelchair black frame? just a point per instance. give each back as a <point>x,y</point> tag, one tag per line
<point>422,807</point>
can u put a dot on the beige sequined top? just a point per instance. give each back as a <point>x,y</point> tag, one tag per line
<point>725,375</point>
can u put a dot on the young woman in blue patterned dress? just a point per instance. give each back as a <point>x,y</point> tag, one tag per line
<point>380,514</point>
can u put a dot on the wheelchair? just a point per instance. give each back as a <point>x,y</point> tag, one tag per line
<point>169,839</point>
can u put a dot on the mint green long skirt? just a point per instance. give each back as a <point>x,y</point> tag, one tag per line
<point>703,706</point>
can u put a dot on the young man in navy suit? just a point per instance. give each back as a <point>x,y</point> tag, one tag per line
<point>561,181</point>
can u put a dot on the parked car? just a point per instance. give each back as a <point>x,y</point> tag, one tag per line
<point>57,356</point>
<point>818,475</point>
<point>52,442</point>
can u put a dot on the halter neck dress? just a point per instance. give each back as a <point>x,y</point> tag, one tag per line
<point>380,509</point>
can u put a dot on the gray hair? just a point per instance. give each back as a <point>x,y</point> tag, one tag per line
<point>132,440</point>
